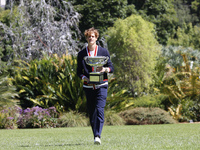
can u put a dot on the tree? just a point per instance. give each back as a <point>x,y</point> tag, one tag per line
<point>6,51</point>
<point>187,36</point>
<point>195,7</point>
<point>41,27</point>
<point>101,14</point>
<point>184,13</point>
<point>161,13</point>
<point>133,44</point>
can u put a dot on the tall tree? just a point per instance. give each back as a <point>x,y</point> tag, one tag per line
<point>133,43</point>
<point>40,27</point>
<point>101,14</point>
<point>195,6</point>
<point>184,12</point>
<point>187,36</point>
<point>159,12</point>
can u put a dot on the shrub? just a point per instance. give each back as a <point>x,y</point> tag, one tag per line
<point>73,119</point>
<point>8,117</point>
<point>142,116</point>
<point>112,118</point>
<point>148,101</point>
<point>37,117</point>
<point>181,83</point>
<point>134,59</point>
<point>8,92</point>
<point>51,81</point>
<point>188,109</point>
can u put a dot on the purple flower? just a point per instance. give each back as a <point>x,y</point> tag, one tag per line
<point>20,111</point>
<point>52,108</point>
<point>27,110</point>
<point>10,118</point>
<point>36,114</point>
<point>40,117</point>
<point>48,114</point>
<point>4,111</point>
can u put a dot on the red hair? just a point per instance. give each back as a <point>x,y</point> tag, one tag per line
<point>89,31</point>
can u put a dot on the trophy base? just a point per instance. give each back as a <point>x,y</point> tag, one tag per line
<point>96,77</point>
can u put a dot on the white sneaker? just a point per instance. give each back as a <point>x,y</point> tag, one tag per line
<point>97,141</point>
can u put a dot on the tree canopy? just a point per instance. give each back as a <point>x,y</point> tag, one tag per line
<point>134,46</point>
<point>101,14</point>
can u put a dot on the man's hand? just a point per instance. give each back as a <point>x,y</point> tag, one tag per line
<point>103,69</point>
<point>99,69</point>
<point>86,79</point>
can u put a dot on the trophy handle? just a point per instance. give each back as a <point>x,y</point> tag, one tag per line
<point>107,58</point>
<point>86,60</point>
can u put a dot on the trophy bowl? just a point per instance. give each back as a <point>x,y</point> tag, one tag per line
<point>97,61</point>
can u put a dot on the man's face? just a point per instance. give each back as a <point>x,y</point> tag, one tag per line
<point>91,39</point>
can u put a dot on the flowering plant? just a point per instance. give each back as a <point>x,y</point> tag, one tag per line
<point>8,117</point>
<point>37,117</point>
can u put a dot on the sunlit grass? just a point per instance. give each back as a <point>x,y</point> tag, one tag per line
<point>171,136</point>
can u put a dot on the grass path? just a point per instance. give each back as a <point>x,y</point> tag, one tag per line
<point>145,137</point>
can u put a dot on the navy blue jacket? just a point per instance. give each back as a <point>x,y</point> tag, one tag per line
<point>83,69</point>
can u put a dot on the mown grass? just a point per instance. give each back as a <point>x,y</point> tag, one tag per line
<point>144,137</point>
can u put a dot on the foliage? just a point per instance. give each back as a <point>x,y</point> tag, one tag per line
<point>101,14</point>
<point>161,13</point>
<point>14,117</point>
<point>49,82</point>
<point>41,26</point>
<point>8,92</point>
<point>148,101</point>
<point>6,50</point>
<point>9,117</point>
<point>181,82</point>
<point>113,118</point>
<point>140,116</point>
<point>187,36</point>
<point>184,12</point>
<point>135,48</point>
<point>195,5</point>
<point>190,109</point>
<point>187,109</point>
<point>118,98</point>
<point>73,119</point>
<point>37,117</point>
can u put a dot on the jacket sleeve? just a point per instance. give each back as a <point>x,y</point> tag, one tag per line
<point>109,63</point>
<point>79,66</point>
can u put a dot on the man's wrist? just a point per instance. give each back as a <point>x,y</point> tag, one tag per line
<point>107,69</point>
<point>83,77</point>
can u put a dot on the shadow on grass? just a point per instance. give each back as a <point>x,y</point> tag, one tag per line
<point>52,145</point>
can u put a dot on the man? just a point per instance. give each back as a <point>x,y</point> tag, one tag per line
<point>96,94</point>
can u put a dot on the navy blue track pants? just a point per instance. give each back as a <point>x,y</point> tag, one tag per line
<point>96,101</point>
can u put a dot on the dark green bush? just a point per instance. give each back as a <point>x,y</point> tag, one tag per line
<point>142,116</point>
<point>51,81</point>
<point>190,109</point>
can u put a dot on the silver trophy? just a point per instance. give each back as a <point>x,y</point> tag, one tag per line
<point>97,61</point>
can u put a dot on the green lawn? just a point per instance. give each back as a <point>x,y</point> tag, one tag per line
<point>173,136</point>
